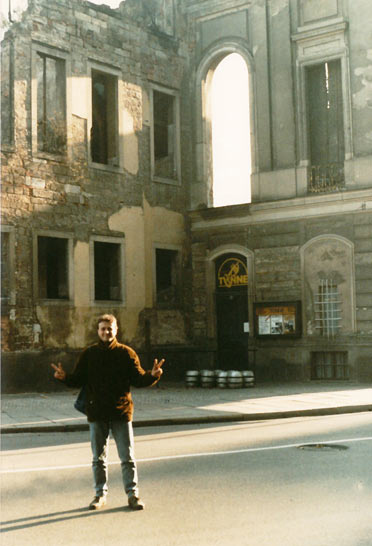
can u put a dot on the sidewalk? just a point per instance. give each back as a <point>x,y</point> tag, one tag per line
<point>176,404</point>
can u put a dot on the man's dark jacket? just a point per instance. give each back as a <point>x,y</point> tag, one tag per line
<point>108,371</point>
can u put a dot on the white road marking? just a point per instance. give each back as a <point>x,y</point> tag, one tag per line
<point>190,455</point>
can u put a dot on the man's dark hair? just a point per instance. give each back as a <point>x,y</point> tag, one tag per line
<point>106,318</point>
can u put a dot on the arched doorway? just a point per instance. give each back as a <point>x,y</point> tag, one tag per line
<point>232,314</point>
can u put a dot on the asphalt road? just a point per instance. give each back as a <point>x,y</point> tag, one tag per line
<point>292,482</point>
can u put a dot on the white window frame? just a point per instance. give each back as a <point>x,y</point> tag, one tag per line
<point>177,144</point>
<point>70,267</point>
<point>122,273</point>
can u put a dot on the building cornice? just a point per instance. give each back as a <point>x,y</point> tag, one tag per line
<point>283,211</point>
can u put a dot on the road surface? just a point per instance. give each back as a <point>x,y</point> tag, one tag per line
<point>291,482</point>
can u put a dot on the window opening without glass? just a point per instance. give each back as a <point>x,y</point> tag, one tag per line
<point>107,271</point>
<point>166,276</point>
<point>5,265</point>
<point>164,135</point>
<point>231,132</point>
<point>104,119</point>
<point>51,104</point>
<point>53,268</point>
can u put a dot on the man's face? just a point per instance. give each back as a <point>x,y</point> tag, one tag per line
<point>107,331</point>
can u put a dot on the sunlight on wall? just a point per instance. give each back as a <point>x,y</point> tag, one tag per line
<point>231,132</point>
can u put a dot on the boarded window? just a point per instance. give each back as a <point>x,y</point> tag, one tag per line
<point>53,268</point>
<point>104,119</point>
<point>51,104</point>
<point>166,276</point>
<point>5,265</point>
<point>326,125</point>
<point>164,135</point>
<point>107,271</point>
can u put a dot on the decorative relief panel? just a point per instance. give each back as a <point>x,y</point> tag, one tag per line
<point>313,10</point>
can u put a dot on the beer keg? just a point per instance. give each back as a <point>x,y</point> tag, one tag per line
<point>234,379</point>
<point>221,379</point>
<point>248,378</point>
<point>207,378</point>
<point>192,378</point>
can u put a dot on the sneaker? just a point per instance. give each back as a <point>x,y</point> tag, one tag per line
<point>135,503</point>
<point>97,503</point>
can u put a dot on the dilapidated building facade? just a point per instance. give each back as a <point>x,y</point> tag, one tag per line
<point>109,200</point>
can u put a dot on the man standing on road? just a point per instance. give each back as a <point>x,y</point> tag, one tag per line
<point>108,369</point>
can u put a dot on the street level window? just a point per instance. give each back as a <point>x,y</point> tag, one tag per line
<point>329,365</point>
<point>53,281</point>
<point>51,104</point>
<point>328,309</point>
<point>107,271</point>
<point>325,126</point>
<point>164,135</point>
<point>166,276</point>
<point>104,141</point>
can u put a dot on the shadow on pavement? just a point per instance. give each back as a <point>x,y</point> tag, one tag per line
<point>57,517</point>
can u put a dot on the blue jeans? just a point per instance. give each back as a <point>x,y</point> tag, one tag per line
<point>123,436</point>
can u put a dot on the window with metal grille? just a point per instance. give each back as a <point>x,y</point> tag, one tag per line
<point>329,365</point>
<point>328,308</point>
<point>325,126</point>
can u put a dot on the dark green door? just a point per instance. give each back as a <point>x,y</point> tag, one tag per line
<point>232,312</point>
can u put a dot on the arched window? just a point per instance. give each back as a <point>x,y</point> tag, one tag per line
<point>230,122</point>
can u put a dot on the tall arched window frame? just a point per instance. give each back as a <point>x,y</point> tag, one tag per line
<point>202,189</point>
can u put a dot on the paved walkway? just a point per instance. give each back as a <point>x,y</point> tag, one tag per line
<point>176,404</point>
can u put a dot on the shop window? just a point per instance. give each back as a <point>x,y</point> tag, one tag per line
<point>327,309</point>
<point>51,104</point>
<point>104,141</point>
<point>53,275</point>
<point>325,126</point>
<point>107,271</point>
<point>165,160</point>
<point>166,276</point>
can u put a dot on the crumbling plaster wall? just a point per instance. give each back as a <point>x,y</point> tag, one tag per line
<point>67,194</point>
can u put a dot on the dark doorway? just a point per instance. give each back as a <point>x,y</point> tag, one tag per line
<point>232,312</point>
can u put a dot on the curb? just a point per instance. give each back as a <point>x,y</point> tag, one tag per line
<point>227,418</point>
